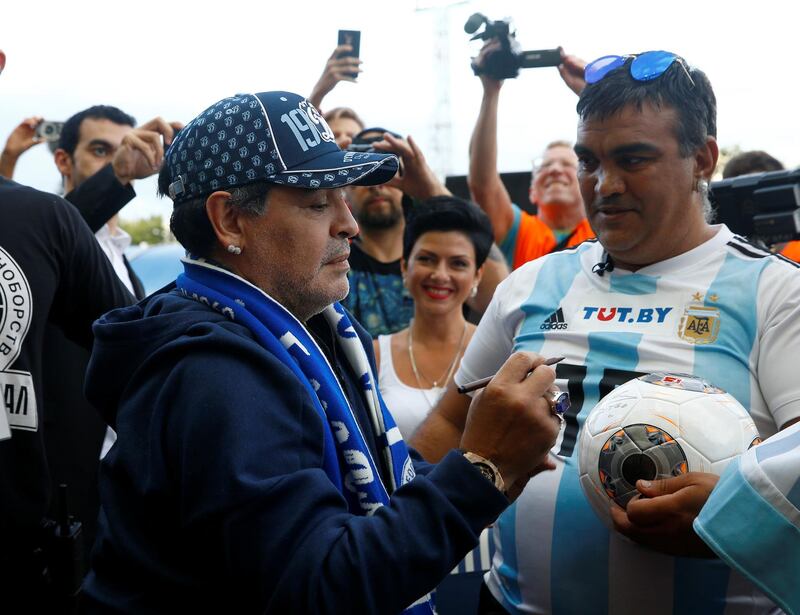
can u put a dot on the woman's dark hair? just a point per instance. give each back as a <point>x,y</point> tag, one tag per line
<point>693,100</point>
<point>449,213</point>
<point>189,221</point>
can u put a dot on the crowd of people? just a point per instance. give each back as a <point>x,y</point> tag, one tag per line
<point>281,431</point>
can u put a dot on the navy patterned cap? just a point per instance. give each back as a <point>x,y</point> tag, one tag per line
<point>277,137</point>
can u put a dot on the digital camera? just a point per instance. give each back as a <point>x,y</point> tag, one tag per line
<point>49,131</point>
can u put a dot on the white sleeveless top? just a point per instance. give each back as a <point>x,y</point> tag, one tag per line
<point>408,405</point>
<point>409,408</point>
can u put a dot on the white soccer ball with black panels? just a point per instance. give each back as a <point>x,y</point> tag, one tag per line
<point>658,426</point>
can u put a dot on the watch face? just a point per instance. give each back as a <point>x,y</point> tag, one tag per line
<point>486,468</point>
<point>487,472</point>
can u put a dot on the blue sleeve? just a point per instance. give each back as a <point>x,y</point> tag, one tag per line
<point>509,244</point>
<point>247,451</point>
<point>421,467</point>
<point>752,518</point>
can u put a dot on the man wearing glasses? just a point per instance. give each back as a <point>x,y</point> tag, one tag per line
<point>560,221</point>
<point>646,147</point>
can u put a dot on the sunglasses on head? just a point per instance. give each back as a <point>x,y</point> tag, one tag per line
<point>644,67</point>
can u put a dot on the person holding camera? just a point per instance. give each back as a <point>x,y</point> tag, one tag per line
<point>377,296</point>
<point>661,289</point>
<point>21,139</point>
<point>560,221</point>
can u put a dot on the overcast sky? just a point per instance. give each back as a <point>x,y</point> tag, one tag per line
<point>175,58</point>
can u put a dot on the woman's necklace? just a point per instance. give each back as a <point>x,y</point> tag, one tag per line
<point>448,372</point>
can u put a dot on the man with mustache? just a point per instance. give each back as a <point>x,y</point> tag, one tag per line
<point>560,221</point>
<point>660,290</point>
<point>257,468</point>
<point>377,296</point>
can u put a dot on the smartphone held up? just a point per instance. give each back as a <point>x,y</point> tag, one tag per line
<point>352,38</point>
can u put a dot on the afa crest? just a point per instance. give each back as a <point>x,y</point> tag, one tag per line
<point>699,324</point>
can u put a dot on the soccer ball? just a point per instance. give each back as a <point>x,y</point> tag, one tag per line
<point>658,426</point>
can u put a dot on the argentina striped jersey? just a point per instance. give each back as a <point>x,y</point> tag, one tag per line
<point>725,311</point>
<point>752,519</point>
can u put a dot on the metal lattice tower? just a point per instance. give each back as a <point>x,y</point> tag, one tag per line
<point>439,151</point>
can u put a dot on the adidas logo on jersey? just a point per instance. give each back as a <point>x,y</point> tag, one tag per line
<point>554,321</point>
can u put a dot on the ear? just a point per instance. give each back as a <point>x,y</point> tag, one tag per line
<point>533,195</point>
<point>479,275</point>
<point>705,159</point>
<point>63,163</point>
<point>2,61</point>
<point>226,220</point>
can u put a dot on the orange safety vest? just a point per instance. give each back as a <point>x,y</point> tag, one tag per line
<point>535,238</point>
<point>792,250</point>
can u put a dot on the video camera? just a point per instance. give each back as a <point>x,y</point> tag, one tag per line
<point>761,206</point>
<point>506,61</point>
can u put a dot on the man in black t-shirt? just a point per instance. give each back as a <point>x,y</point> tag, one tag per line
<point>51,271</point>
<point>100,154</point>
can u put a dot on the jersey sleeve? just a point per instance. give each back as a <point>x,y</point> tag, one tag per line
<point>493,341</point>
<point>88,286</point>
<point>761,488</point>
<point>779,330</point>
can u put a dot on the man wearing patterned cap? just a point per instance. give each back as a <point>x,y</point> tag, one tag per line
<point>257,468</point>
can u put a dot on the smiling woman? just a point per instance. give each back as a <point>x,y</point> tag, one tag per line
<point>445,244</point>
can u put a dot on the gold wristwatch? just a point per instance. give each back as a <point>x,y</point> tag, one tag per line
<point>487,468</point>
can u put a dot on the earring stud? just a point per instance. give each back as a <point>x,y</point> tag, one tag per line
<point>234,249</point>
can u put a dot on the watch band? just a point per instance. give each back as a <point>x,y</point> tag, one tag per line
<point>487,468</point>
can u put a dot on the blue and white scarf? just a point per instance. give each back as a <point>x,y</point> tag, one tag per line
<point>347,460</point>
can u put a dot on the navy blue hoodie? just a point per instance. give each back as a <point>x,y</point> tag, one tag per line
<point>214,497</point>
